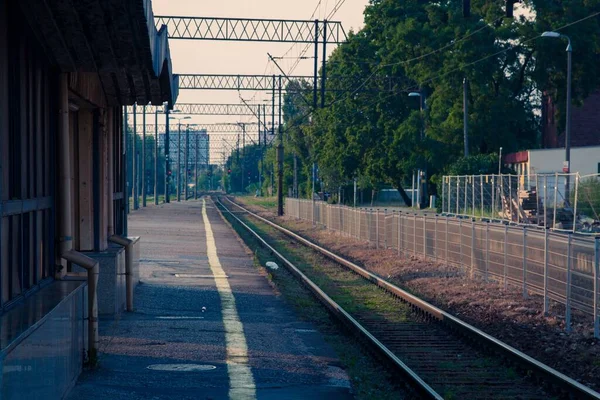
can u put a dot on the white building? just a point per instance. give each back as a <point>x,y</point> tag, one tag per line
<point>584,160</point>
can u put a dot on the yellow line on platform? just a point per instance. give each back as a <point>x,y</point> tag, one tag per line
<point>241,381</point>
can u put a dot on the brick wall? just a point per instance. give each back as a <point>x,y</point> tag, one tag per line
<point>585,123</point>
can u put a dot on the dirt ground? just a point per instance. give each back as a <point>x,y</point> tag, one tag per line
<point>504,314</point>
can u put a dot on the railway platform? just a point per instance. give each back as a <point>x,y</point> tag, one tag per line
<point>207,324</point>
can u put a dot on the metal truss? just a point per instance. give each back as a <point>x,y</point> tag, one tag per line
<point>205,109</point>
<point>231,128</point>
<point>250,30</point>
<point>233,82</point>
<point>267,83</point>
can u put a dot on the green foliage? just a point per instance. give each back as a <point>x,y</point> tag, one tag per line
<point>480,164</point>
<point>382,137</point>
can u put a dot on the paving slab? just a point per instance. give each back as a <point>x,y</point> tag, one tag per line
<point>185,340</point>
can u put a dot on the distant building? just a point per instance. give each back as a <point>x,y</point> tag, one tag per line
<point>584,160</point>
<point>585,123</point>
<point>585,142</point>
<point>196,137</point>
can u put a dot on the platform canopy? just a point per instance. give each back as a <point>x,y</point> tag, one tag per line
<point>115,38</point>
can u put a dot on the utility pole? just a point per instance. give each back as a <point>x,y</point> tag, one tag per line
<point>179,163</point>
<point>354,192</point>
<point>316,71</point>
<point>295,190</point>
<point>196,167</point>
<point>186,161</point>
<point>273,106</point>
<point>280,160</point>
<point>243,126</point>
<point>324,68</point>
<point>262,161</point>
<point>264,116</point>
<point>144,158</point>
<point>125,130</point>
<point>156,156</point>
<point>568,124</point>
<point>315,101</point>
<point>133,160</point>
<point>466,115</point>
<point>167,157</point>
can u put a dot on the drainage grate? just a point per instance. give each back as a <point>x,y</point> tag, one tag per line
<point>182,367</point>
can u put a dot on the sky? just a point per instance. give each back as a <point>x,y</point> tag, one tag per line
<point>225,57</point>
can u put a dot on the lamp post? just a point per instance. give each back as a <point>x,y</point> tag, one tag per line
<point>500,162</point>
<point>179,119</point>
<point>243,126</point>
<point>422,174</point>
<point>567,165</point>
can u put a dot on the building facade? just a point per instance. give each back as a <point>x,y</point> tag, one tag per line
<point>66,71</point>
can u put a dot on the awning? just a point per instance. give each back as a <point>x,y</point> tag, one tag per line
<point>115,38</point>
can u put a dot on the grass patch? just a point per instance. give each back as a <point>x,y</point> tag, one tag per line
<point>268,203</point>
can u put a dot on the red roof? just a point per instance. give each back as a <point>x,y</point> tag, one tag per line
<point>514,158</point>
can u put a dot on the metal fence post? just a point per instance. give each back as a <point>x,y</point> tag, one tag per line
<point>472,178</point>
<point>525,262</point>
<point>461,241</point>
<point>415,234</point>
<point>425,236</point>
<point>596,273</point>
<point>385,230</point>
<point>546,271</point>
<point>472,248</point>
<point>435,241</point>
<point>359,223</point>
<point>537,200</point>
<point>466,197</point>
<point>377,228</point>
<point>449,191</point>
<point>446,244</point>
<point>510,198</point>
<point>481,192</point>
<point>555,199</point>
<point>487,250</point>
<point>545,201</point>
<point>399,232</point>
<point>568,304</point>
<point>575,202</point>
<point>443,193</point>
<point>505,256</point>
<point>457,194</point>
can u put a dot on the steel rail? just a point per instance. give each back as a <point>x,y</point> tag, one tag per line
<point>342,314</point>
<point>551,375</point>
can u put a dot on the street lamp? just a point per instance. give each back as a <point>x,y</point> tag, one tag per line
<point>179,119</point>
<point>421,175</point>
<point>500,162</point>
<point>567,165</point>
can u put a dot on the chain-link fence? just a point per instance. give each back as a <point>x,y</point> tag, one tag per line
<point>560,266</point>
<point>562,202</point>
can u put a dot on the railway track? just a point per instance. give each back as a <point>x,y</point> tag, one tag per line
<point>438,354</point>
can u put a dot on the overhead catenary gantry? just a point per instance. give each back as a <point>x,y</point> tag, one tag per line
<point>252,30</point>
<point>270,82</point>
<point>206,109</point>
<point>227,127</point>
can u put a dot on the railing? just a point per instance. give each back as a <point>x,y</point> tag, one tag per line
<point>561,202</point>
<point>558,266</point>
